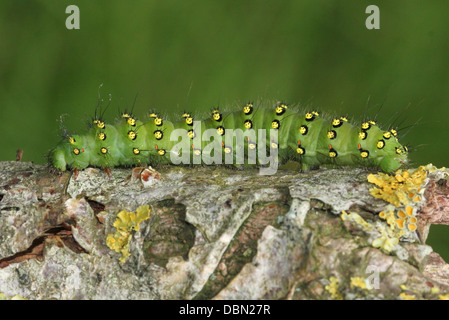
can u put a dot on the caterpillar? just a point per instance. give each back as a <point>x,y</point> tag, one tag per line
<point>251,135</point>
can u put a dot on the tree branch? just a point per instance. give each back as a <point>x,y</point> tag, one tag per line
<point>213,232</point>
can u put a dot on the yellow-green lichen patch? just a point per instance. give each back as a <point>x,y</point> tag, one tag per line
<point>405,191</point>
<point>358,282</point>
<point>332,288</point>
<point>126,223</point>
<point>16,297</point>
<point>405,296</point>
<point>355,217</point>
<point>386,241</point>
<point>389,234</point>
<point>401,188</point>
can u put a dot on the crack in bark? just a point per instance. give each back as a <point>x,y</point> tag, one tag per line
<point>60,235</point>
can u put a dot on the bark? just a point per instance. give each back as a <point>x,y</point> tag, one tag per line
<point>212,233</point>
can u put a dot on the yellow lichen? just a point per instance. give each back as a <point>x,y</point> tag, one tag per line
<point>126,223</point>
<point>444,296</point>
<point>388,216</point>
<point>16,297</point>
<point>358,282</point>
<point>435,290</point>
<point>385,241</point>
<point>405,296</point>
<point>400,188</point>
<point>352,216</point>
<point>332,288</point>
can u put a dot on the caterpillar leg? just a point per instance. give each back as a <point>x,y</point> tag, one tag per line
<point>108,171</point>
<point>75,173</point>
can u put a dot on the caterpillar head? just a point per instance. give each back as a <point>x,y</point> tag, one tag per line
<point>70,153</point>
<point>392,162</point>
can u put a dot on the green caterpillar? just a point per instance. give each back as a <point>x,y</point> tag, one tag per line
<point>287,134</point>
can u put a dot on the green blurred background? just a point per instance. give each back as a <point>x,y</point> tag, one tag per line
<point>196,54</point>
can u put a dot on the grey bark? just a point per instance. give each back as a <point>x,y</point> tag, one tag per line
<point>213,233</point>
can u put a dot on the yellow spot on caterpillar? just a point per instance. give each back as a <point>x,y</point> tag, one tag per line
<point>158,121</point>
<point>132,135</point>
<point>136,151</point>
<point>221,130</point>
<point>100,124</point>
<point>274,145</point>
<point>300,150</point>
<point>158,134</point>
<point>331,134</point>
<point>125,115</point>
<point>333,153</point>
<point>310,116</point>
<point>153,115</point>
<point>362,135</point>
<point>344,119</point>
<point>336,123</point>
<point>189,120</point>
<point>380,144</point>
<point>102,136</point>
<point>185,115</point>
<point>216,115</point>
<point>131,121</point>
<point>394,132</point>
<point>248,124</point>
<point>72,140</point>
<point>252,145</point>
<point>364,154</point>
<point>366,125</point>
<point>103,150</point>
<point>372,122</point>
<point>191,134</point>
<point>275,124</point>
<point>280,109</point>
<point>197,152</point>
<point>398,150</point>
<point>248,109</point>
<point>303,130</point>
<point>387,135</point>
<point>76,151</point>
<point>227,150</point>
<point>161,152</point>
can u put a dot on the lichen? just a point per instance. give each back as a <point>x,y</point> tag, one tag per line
<point>355,217</point>
<point>389,236</point>
<point>332,288</point>
<point>16,297</point>
<point>443,296</point>
<point>385,241</point>
<point>126,223</point>
<point>405,296</point>
<point>404,190</point>
<point>400,189</point>
<point>358,282</point>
